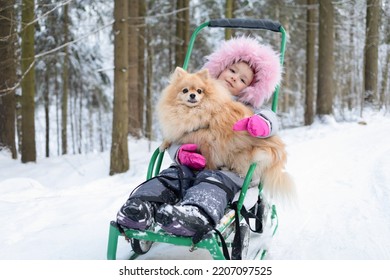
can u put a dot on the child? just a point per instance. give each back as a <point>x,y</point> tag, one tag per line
<point>186,199</point>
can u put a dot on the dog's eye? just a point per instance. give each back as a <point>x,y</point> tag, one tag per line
<point>185,90</point>
<point>199,90</point>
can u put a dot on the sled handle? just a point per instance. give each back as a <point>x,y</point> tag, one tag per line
<point>246,24</point>
<point>155,164</point>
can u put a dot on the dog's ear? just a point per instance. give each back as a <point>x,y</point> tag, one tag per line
<point>179,73</point>
<point>204,74</point>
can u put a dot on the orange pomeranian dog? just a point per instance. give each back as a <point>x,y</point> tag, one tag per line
<point>194,108</point>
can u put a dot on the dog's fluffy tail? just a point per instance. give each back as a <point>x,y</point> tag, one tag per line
<point>279,183</point>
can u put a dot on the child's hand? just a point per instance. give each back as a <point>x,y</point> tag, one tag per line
<point>255,125</point>
<point>189,156</point>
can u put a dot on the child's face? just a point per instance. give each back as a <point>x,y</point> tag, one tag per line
<point>237,77</point>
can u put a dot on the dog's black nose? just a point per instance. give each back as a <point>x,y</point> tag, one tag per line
<point>192,96</point>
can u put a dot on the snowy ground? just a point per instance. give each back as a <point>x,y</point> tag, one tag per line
<point>60,208</point>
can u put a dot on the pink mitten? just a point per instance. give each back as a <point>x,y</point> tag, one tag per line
<point>188,156</point>
<point>255,125</point>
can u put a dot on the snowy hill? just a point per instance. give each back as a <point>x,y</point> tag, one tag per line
<point>60,208</point>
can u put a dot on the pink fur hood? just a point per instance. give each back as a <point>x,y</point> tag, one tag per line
<point>261,58</point>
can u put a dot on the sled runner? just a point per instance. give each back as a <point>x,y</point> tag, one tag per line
<point>232,237</point>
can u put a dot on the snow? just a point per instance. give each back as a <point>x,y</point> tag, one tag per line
<point>60,207</point>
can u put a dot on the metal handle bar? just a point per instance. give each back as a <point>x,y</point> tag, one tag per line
<point>246,24</point>
<point>265,24</point>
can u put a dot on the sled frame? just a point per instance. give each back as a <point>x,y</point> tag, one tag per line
<point>226,227</point>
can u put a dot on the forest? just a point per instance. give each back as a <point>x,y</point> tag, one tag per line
<point>83,76</point>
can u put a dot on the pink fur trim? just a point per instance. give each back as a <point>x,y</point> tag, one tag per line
<point>263,59</point>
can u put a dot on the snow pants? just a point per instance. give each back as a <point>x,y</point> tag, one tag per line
<point>210,190</point>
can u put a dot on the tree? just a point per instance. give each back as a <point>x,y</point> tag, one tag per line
<point>119,162</point>
<point>28,82</point>
<point>182,31</point>
<point>351,99</point>
<point>385,75</point>
<point>135,128</point>
<point>141,62</point>
<point>8,76</point>
<point>229,13</point>
<point>371,50</point>
<point>65,88</point>
<point>50,35</point>
<point>310,61</point>
<point>47,38</point>
<point>325,59</point>
<point>149,95</point>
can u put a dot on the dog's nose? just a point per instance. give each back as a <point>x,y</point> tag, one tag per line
<point>192,96</point>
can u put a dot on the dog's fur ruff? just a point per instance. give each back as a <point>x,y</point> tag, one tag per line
<point>194,108</point>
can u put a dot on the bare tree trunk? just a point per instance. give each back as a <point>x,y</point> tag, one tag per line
<point>384,98</point>
<point>65,79</point>
<point>171,46</point>
<point>91,128</point>
<point>119,161</point>
<point>72,120</point>
<point>56,91</point>
<point>100,130</point>
<point>325,59</point>
<point>141,62</point>
<point>134,94</point>
<point>47,113</point>
<point>351,73</point>
<point>7,76</point>
<point>186,30</point>
<point>385,75</point>
<point>371,50</point>
<point>287,85</point>
<point>182,31</point>
<point>310,61</point>
<point>149,83</point>
<point>18,112</point>
<point>7,123</point>
<point>28,83</point>
<point>179,51</point>
<point>228,14</point>
<point>80,121</point>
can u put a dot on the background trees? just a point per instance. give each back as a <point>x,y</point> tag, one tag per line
<point>8,76</point>
<point>371,50</point>
<point>28,82</point>
<point>119,149</point>
<point>310,61</point>
<point>134,100</point>
<point>72,106</point>
<point>325,89</point>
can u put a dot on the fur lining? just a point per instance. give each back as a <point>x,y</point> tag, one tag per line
<point>261,58</point>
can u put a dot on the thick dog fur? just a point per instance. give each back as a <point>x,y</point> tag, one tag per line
<point>195,108</point>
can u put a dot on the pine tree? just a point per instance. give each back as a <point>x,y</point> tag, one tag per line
<point>310,61</point>
<point>28,83</point>
<point>325,59</point>
<point>7,76</point>
<point>119,147</point>
<point>371,50</point>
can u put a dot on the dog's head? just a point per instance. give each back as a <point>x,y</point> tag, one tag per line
<point>190,88</point>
